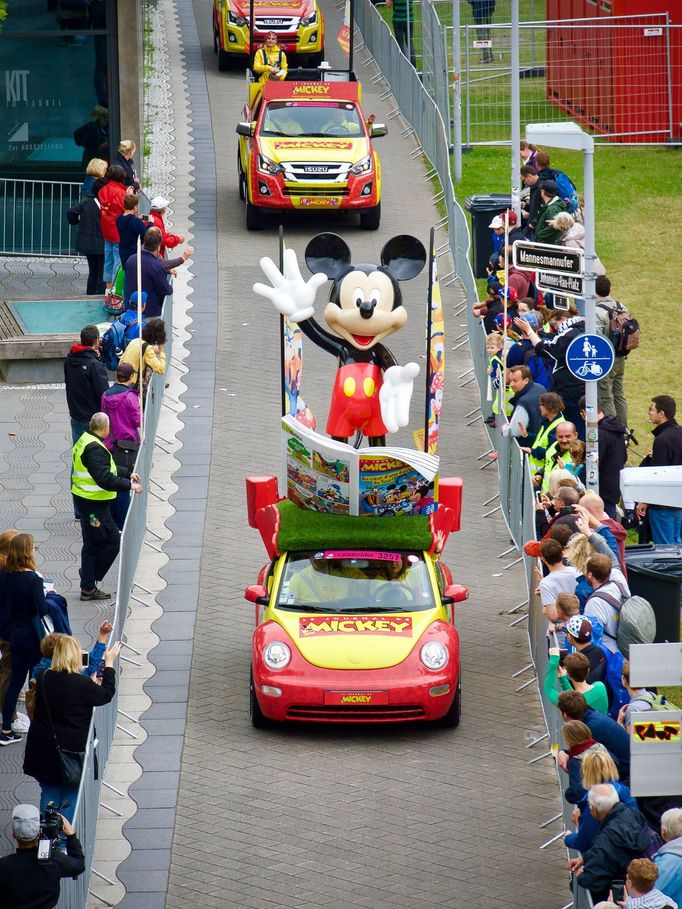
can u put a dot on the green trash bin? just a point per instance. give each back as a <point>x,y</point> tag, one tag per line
<point>655,573</point>
<point>483,209</point>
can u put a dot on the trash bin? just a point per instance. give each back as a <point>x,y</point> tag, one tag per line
<point>655,573</point>
<point>483,209</point>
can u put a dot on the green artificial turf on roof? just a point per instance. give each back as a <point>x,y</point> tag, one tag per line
<point>303,529</point>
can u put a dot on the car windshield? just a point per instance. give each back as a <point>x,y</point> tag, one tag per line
<point>342,582</point>
<point>326,120</point>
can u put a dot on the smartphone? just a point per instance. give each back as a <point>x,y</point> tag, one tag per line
<point>44,850</point>
<point>538,496</point>
<point>85,658</point>
<point>562,656</point>
<point>618,891</point>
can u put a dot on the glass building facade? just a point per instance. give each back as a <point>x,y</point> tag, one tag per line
<point>58,71</point>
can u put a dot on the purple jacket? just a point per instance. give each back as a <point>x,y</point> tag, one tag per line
<point>122,405</point>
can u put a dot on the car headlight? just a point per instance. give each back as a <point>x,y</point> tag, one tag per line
<point>235,20</point>
<point>266,166</point>
<point>310,20</point>
<point>276,655</point>
<point>362,167</point>
<point>434,655</point>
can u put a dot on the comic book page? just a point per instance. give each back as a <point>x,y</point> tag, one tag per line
<point>390,486</point>
<point>316,471</point>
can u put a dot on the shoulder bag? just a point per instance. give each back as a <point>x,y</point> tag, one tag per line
<point>70,762</point>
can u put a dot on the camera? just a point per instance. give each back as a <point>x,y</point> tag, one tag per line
<point>51,825</point>
<point>85,658</point>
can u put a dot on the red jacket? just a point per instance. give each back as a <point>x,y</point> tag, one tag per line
<point>168,240</point>
<point>110,197</point>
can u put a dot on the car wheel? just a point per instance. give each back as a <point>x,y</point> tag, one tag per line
<point>454,714</point>
<point>258,718</point>
<point>224,61</point>
<point>254,219</point>
<point>242,182</point>
<point>314,60</point>
<point>370,219</point>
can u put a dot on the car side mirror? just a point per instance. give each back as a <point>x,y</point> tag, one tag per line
<point>454,593</point>
<point>257,594</point>
<point>244,129</point>
<point>377,130</point>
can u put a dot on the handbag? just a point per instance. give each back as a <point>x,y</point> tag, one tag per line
<point>70,762</point>
<point>125,453</point>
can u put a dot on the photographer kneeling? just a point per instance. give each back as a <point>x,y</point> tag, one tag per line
<point>28,881</point>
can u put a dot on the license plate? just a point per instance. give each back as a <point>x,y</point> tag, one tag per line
<point>272,22</point>
<point>355,698</point>
<point>319,202</point>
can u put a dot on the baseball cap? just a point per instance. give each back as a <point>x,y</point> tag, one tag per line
<point>132,302</point>
<point>580,628</point>
<point>125,371</point>
<point>496,222</point>
<point>500,320</point>
<point>26,822</point>
<point>532,317</point>
<point>510,293</point>
<point>157,203</point>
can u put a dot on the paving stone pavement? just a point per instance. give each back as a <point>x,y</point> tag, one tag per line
<point>303,817</point>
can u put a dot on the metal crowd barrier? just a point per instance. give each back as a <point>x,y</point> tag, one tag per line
<point>74,894</point>
<point>420,103</point>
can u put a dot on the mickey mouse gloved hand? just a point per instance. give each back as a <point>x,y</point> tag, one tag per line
<point>290,294</point>
<point>395,395</point>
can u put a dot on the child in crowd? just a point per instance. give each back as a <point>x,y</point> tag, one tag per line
<point>575,463</point>
<point>572,675</point>
<point>493,347</point>
<point>49,642</point>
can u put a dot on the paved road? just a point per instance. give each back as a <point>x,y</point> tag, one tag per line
<point>305,817</point>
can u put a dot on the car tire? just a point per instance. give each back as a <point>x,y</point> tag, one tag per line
<point>314,60</point>
<point>242,181</point>
<point>258,718</point>
<point>254,219</point>
<point>224,61</point>
<point>371,218</point>
<point>451,719</point>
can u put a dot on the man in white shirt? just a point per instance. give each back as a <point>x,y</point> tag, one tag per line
<point>560,579</point>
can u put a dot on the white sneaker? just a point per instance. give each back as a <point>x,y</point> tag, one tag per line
<point>21,724</point>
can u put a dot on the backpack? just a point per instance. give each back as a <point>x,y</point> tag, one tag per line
<point>624,331</point>
<point>112,345</point>
<point>656,701</point>
<point>539,367</point>
<point>636,620</point>
<point>567,191</point>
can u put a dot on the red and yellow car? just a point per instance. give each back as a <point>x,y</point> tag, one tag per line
<point>363,634</point>
<point>308,146</point>
<point>298,24</point>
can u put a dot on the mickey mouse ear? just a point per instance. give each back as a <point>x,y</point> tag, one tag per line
<point>327,253</point>
<point>404,257</point>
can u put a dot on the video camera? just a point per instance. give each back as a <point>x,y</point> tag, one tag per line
<point>51,825</point>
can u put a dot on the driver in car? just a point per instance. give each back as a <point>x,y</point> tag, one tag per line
<point>322,581</point>
<point>340,124</point>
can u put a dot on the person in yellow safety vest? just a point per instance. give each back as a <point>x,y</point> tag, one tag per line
<point>566,434</point>
<point>94,483</point>
<point>551,410</point>
<point>270,61</point>
<point>493,346</point>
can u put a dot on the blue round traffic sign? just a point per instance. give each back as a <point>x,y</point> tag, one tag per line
<point>590,357</point>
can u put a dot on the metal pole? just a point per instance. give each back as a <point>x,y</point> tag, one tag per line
<point>456,93</point>
<point>468,84</point>
<point>591,390</point>
<point>140,365</point>
<point>351,36</point>
<point>409,30</point>
<point>515,114</point>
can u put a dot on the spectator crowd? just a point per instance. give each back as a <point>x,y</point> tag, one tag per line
<point>106,376</point>
<point>630,850</point>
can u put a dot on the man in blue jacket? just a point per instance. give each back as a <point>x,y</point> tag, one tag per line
<point>153,273</point>
<point>573,706</point>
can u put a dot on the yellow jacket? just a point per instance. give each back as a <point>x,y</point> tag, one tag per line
<point>156,362</point>
<point>265,57</point>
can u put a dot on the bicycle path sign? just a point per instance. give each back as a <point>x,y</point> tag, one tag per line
<point>590,357</point>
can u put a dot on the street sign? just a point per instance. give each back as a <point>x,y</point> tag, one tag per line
<point>544,257</point>
<point>566,285</point>
<point>590,357</point>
